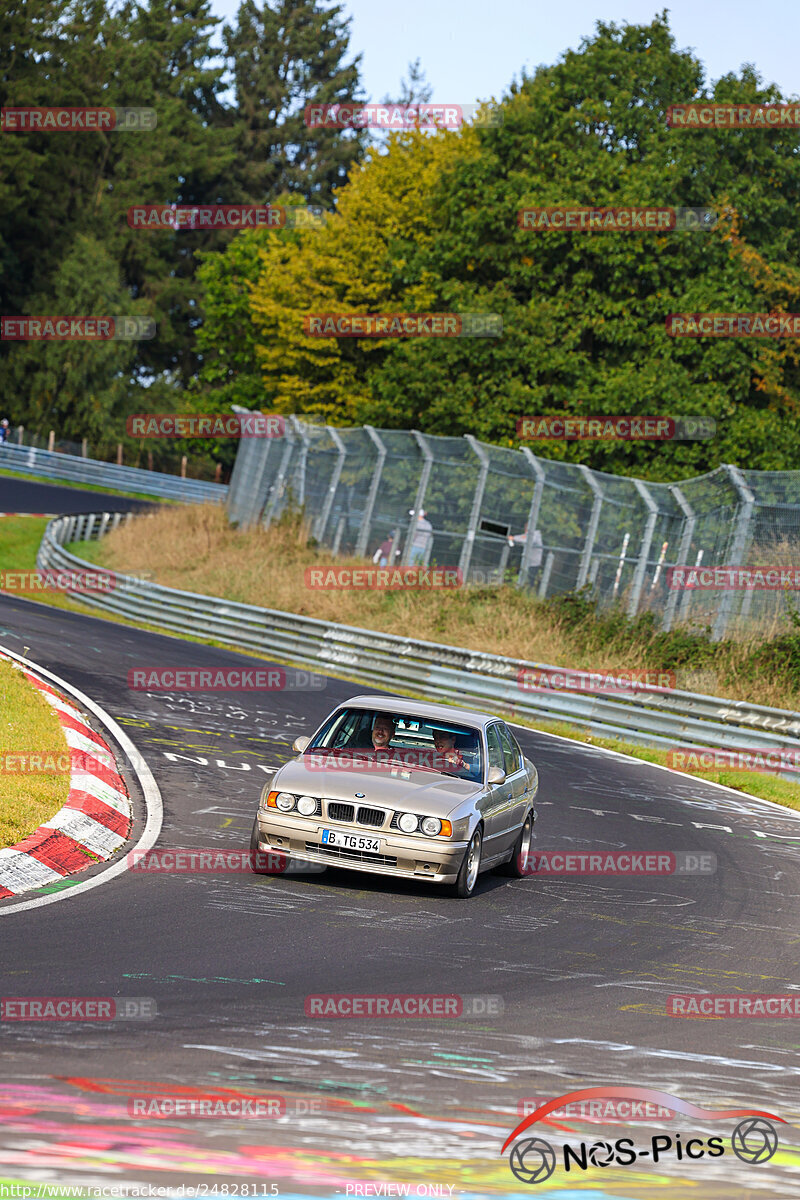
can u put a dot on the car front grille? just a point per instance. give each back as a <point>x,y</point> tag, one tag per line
<point>340,812</point>
<point>341,852</point>
<point>371,816</point>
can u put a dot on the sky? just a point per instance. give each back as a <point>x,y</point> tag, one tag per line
<point>472,49</point>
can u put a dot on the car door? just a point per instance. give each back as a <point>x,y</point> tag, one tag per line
<point>517,779</point>
<point>498,795</point>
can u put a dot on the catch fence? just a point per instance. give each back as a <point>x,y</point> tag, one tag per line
<point>614,535</point>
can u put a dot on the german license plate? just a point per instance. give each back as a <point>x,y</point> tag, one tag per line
<point>349,841</point>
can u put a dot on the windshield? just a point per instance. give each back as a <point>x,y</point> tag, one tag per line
<point>382,737</point>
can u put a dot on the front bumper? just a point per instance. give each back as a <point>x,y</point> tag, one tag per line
<point>406,857</point>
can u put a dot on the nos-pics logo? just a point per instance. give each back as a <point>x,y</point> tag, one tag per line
<point>754,1140</point>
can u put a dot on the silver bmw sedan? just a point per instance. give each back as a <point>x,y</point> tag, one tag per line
<point>404,788</point>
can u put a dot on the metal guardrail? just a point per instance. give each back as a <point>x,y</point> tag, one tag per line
<point>650,716</point>
<point>30,461</point>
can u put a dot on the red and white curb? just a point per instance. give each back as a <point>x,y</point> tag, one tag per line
<point>95,821</point>
<point>28,514</point>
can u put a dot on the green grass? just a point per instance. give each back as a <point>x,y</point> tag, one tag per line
<point>28,725</point>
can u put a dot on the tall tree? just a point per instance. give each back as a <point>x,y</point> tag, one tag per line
<point>282,58</point>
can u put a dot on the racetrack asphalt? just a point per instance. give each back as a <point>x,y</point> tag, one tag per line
<point>28,496</point>
<point>582,968</point>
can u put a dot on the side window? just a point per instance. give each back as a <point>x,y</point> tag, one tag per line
<point>510,751</point>
<point>495,749</point>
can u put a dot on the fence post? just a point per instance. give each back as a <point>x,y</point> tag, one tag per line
<point>20,431</point>
<point>280,479</point>
<point>119,454</point>
<point>422,487</point>
<point>305,441</point>
<point>363,534</point>
<point>738,544</point>
<point>183,466</point>
<point>477,500</point>
<point>84,447</point>
<point>644,548</point>
<point>51,440</point>
<point>533,513</point>
<point>324,516</point>
<point>591,533</point>
<point>548,567</point>
<point>687,533</point>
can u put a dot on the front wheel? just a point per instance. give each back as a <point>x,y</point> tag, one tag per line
<point>468,875</point>
<point>518,867</point>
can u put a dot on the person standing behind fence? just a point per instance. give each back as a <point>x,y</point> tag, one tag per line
<point>384,551</point>
<point>421,539</point>
<point>5,430</point>
<point>537,551</point>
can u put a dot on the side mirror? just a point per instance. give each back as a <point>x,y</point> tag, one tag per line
<point>497,775</point>
<point>299,744</point>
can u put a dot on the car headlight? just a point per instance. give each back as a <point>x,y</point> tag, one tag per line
<point>307,806</point>
<point>431,826</point>
<point>407,822</point>
<point>285,801</point>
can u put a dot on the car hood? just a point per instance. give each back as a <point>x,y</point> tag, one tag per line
<point>419,790</point>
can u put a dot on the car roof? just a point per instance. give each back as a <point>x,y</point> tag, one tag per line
<point>421,708</point>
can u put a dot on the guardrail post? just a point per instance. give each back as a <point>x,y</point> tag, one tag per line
<point>533,513</point>
<point>738,544</point>
<point>115,520</point>
<point>90,524</point>
<point>591,533</point>
<point>644,548</point>
<point>105,518</point>
<point>422,487</point>
<point>324,516</point>
<point>477,500</point>
<point>687,533</point>
<point>363,534</point>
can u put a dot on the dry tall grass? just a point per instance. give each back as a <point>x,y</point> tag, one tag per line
<point>195,549</point>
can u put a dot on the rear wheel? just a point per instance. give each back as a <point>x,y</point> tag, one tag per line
<point>468,874</point>
<point>518,865</point>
